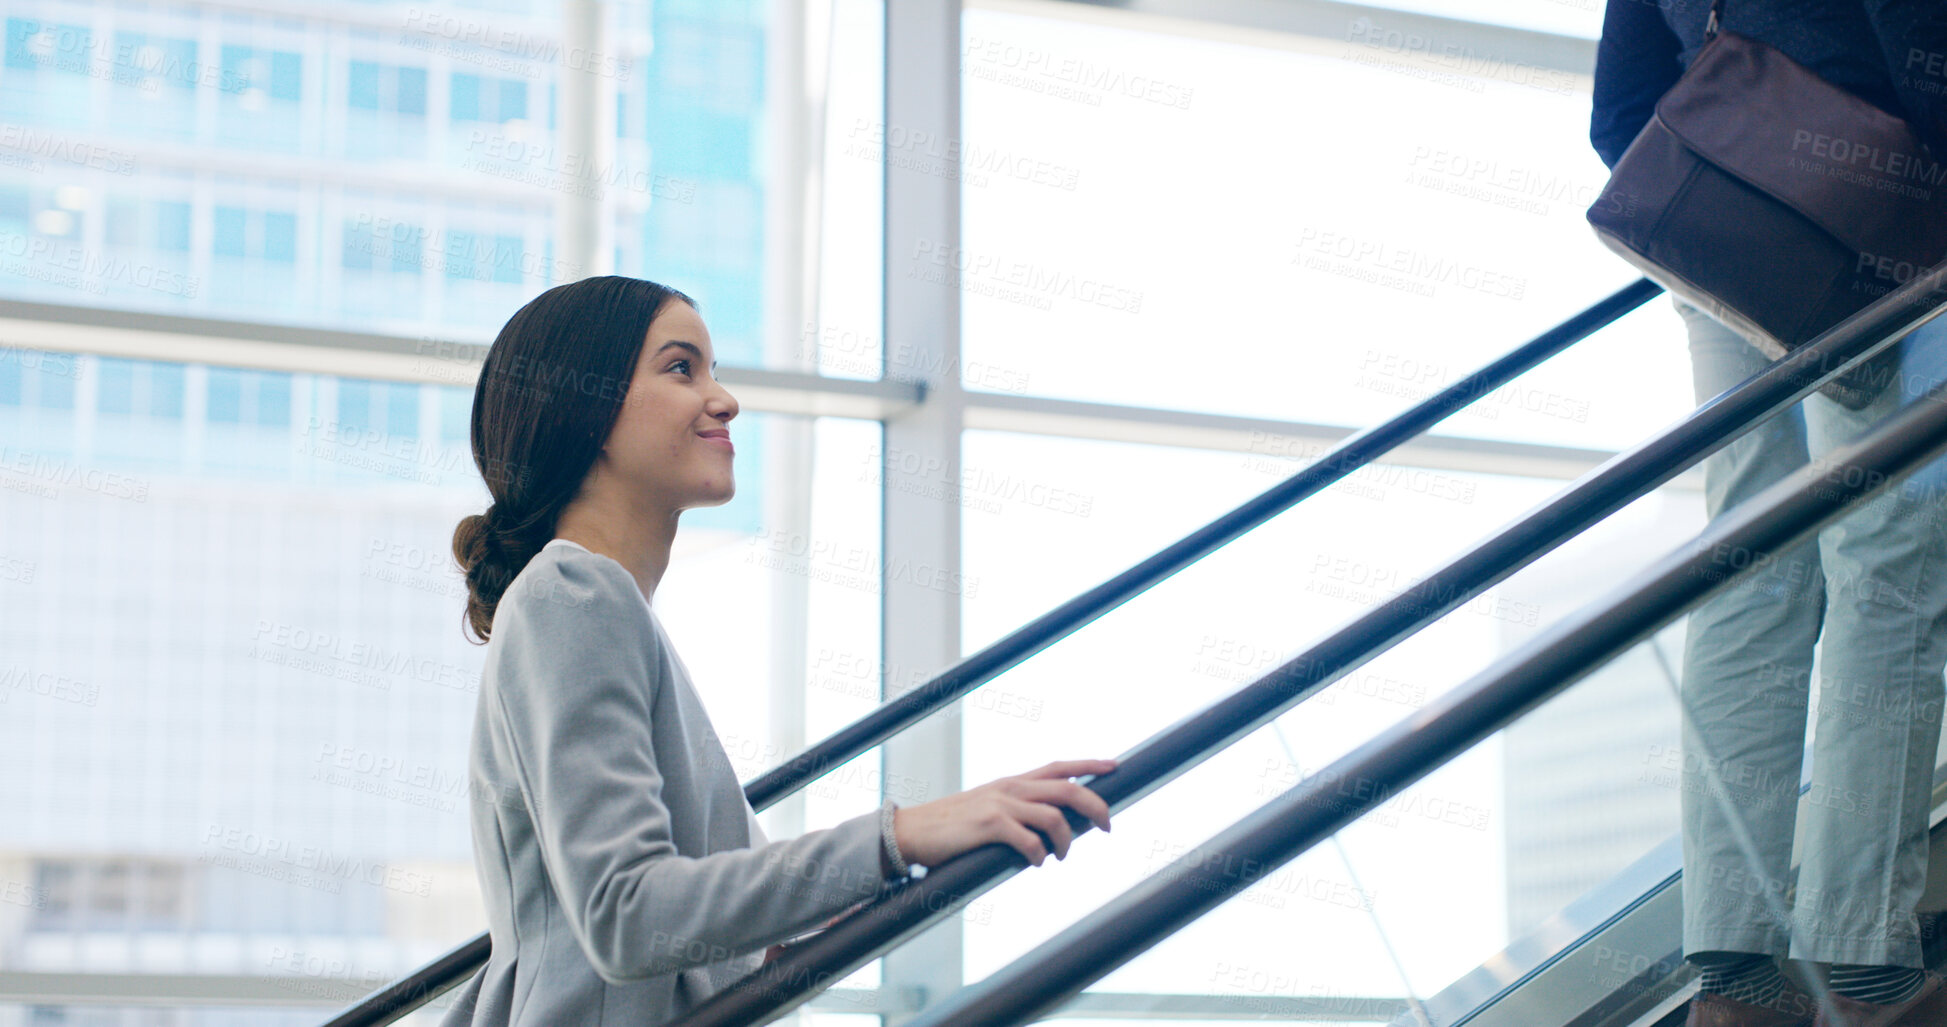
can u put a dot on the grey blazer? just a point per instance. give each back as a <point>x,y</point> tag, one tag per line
<point>624,874</point>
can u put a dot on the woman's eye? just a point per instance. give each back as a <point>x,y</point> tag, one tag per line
<point>680,365</point>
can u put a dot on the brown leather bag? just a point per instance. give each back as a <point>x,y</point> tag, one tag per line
<point>1775,202</point>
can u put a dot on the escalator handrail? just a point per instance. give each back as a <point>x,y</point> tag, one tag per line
<point>1351,454</point>
<point>1321,805</point>
<point>906,907</point>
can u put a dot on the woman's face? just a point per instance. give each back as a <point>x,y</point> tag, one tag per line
<point>671,443</point>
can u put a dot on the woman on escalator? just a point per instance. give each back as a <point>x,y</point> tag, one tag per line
<point>625,876</point>
<point>1868,591</point>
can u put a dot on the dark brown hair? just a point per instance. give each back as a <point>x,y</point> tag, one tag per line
<point>549,392</point>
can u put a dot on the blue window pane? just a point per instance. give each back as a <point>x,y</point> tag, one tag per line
<point>280,237</point>
<point>406,249</point>
<point>364,93</point>
<point>273,398</point>
<point>696,143</point>
<point>466,98</point>
<point>401,411</point>
<point>14,209</point>
<point>139,57</point>
<point>513,100</point>
<point>225,395</point>
<point>507,258</point>
<point>285,75</point>
<point>358,247</point>
<point>19,30</point>
<point>73,47</point>
<point>455,415</point>
<point>172,226</point>
<point>235,58</point>
<point>10,376</point>
<point>459,255</point>
<point>166,390</point>
<point>128,57</point>
<point>354,405</point>
<point>179,62</point>
<point>57,391</point>
<point>412,91</point>
<point>229,232</point>
<point>117,386</point>
<point>122,226</point>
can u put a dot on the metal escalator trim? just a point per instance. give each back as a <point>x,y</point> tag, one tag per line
<point>1528,961</point>
<point>1475,999</point>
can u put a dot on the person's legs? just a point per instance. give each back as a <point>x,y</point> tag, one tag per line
<point>1880,695</point>
<point>1746,670</point>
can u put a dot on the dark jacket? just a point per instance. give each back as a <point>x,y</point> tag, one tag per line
<point>1890,53</point>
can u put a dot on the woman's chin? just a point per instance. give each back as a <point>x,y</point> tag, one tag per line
<point>714,497</point>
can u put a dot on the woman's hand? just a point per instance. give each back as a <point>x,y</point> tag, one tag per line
<point>1009,811</point>
<point>999,811</point>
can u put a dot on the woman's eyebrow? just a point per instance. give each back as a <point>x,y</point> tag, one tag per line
<point>692,347</point>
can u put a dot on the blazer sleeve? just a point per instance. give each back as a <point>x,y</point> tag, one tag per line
<point>574,706</point>
<point>1636,62</point>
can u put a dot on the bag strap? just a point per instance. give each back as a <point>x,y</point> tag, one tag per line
<point>1716,15</point>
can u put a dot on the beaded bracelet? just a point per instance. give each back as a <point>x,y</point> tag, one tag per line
<point>889,842</point>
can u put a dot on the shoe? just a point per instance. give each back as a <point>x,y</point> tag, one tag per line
<point>1794,1008</point>
<point>1926,1009</point>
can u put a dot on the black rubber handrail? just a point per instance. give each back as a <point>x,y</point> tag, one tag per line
<point>1321,805</point>
<point>907,907</point>
<point>1351,454</point>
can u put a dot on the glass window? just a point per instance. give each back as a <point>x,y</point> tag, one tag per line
<point>354,406</point>
<point>280,236</point>
<point>402,410</point>
<point>275,73</point>
<point>20,48</point>
<point>230,232</point>
<point>142,58</point>
<point>459,255</point>
<point>47,44</point>
<point>10,376</point>
<point>364,85</point>
<point>358,246</point>
<point>273,399</point>
<point>1348,287</point>
<point>285,71</point>
<point>455,416</point>
<point>122,225</point>
<point>166,390</point>
<point>172,226</point>
<point>54,882</point>
<point>117,385</point>
<point>687,196</point>
<point>507,258</point>
<point>489,99</point>
<point>225,395</point>
<point>407,256</point>
<point>465,97</point>
<point>411,91</point>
